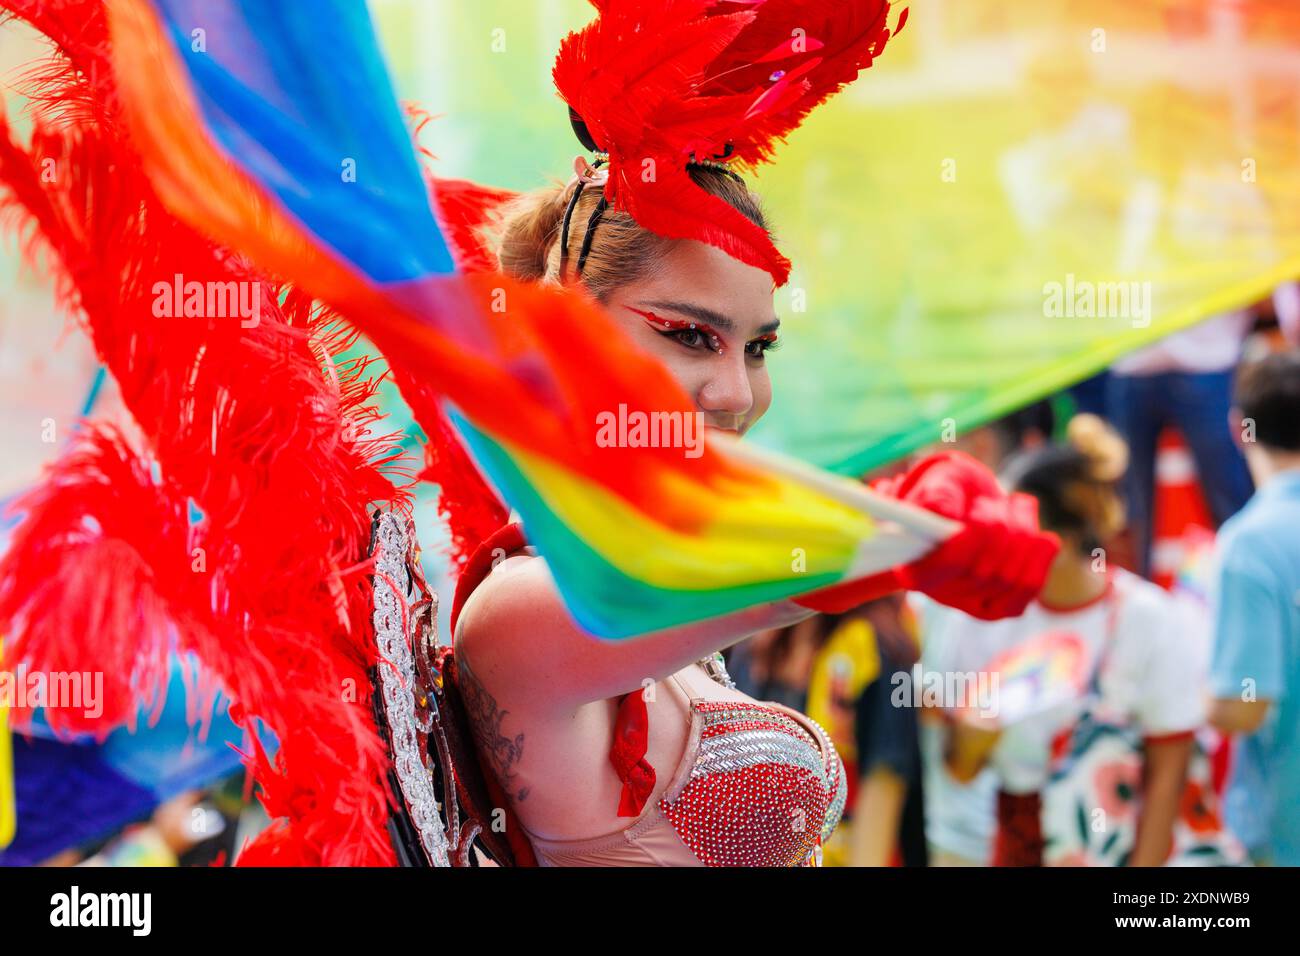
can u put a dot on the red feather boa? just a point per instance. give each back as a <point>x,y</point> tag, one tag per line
<point>270,436</point>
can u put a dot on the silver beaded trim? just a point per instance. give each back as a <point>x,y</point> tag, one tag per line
<point>836,778</point>
<point>397,682</point>
<point>836,810</point>
<point>749,748</point>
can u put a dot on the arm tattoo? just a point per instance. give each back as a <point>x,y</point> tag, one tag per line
<point>485,717</point>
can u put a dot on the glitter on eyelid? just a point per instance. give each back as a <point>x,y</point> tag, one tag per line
<point>660,324</point>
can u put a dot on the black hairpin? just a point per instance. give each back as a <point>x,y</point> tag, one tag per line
<point>591,222</point>
<point>591,232</point>
<point>564,233</point>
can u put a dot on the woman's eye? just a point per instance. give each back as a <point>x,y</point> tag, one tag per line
<point>690,337</point>
<point>695,338</point>
<point>760,347</point>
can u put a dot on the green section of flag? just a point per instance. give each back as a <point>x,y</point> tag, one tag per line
<point>940,209</point>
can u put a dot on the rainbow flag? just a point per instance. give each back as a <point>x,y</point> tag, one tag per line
<point>937,212</point>
<point>274,128</point>
<point>1038,189</point>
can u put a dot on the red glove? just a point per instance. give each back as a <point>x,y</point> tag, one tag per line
<point>992,568</point>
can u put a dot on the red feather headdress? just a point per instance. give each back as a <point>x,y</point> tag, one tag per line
<point>659,85</point>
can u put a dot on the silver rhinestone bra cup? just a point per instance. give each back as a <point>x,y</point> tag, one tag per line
<point>762,790</point>
<point>406,611</point>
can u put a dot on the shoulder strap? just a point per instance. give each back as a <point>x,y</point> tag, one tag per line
<point>1113,601</point>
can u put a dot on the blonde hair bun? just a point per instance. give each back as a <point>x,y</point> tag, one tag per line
<point>1097,441</point>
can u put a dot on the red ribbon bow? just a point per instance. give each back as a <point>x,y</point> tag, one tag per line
<point>631,740</point>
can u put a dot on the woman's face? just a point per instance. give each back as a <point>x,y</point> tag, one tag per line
<point>709,318</point>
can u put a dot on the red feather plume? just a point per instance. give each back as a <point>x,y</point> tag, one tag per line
<point>271,436</point>
<point>660,84</point>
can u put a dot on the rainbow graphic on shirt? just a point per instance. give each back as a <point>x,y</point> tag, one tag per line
<point>1033,677</point>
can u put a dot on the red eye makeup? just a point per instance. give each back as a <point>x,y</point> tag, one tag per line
<point>684,329</point>
<point>676,327</point>
<point>765,343</point>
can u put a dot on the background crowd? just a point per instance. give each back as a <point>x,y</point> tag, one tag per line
<point>1142,711</point>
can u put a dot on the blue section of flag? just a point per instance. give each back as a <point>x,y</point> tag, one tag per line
<point>300,93</point>
<point>67,796</point>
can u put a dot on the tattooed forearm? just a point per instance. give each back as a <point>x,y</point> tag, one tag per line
<point>485,717</point>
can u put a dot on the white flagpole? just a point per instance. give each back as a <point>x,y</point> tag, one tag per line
<point>926,524</point>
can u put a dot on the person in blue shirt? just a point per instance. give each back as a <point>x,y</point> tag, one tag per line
<point>1255,667</point>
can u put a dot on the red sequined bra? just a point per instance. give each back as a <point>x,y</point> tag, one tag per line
<point>758,784</point>
<point>763,789</point>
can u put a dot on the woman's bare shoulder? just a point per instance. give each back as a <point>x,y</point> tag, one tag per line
<point>516,633</point>
<point>521,641</point>
<point>516,594</point>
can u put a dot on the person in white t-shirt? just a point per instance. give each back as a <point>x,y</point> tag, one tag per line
<point>1107,629</point>
<point>959,817</point>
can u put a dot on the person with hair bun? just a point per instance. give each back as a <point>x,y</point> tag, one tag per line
<point>1112,657</point>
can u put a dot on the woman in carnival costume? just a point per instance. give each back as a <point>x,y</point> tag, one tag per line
<point>636,752</point>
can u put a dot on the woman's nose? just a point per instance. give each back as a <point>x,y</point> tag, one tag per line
<point>727,391</point>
